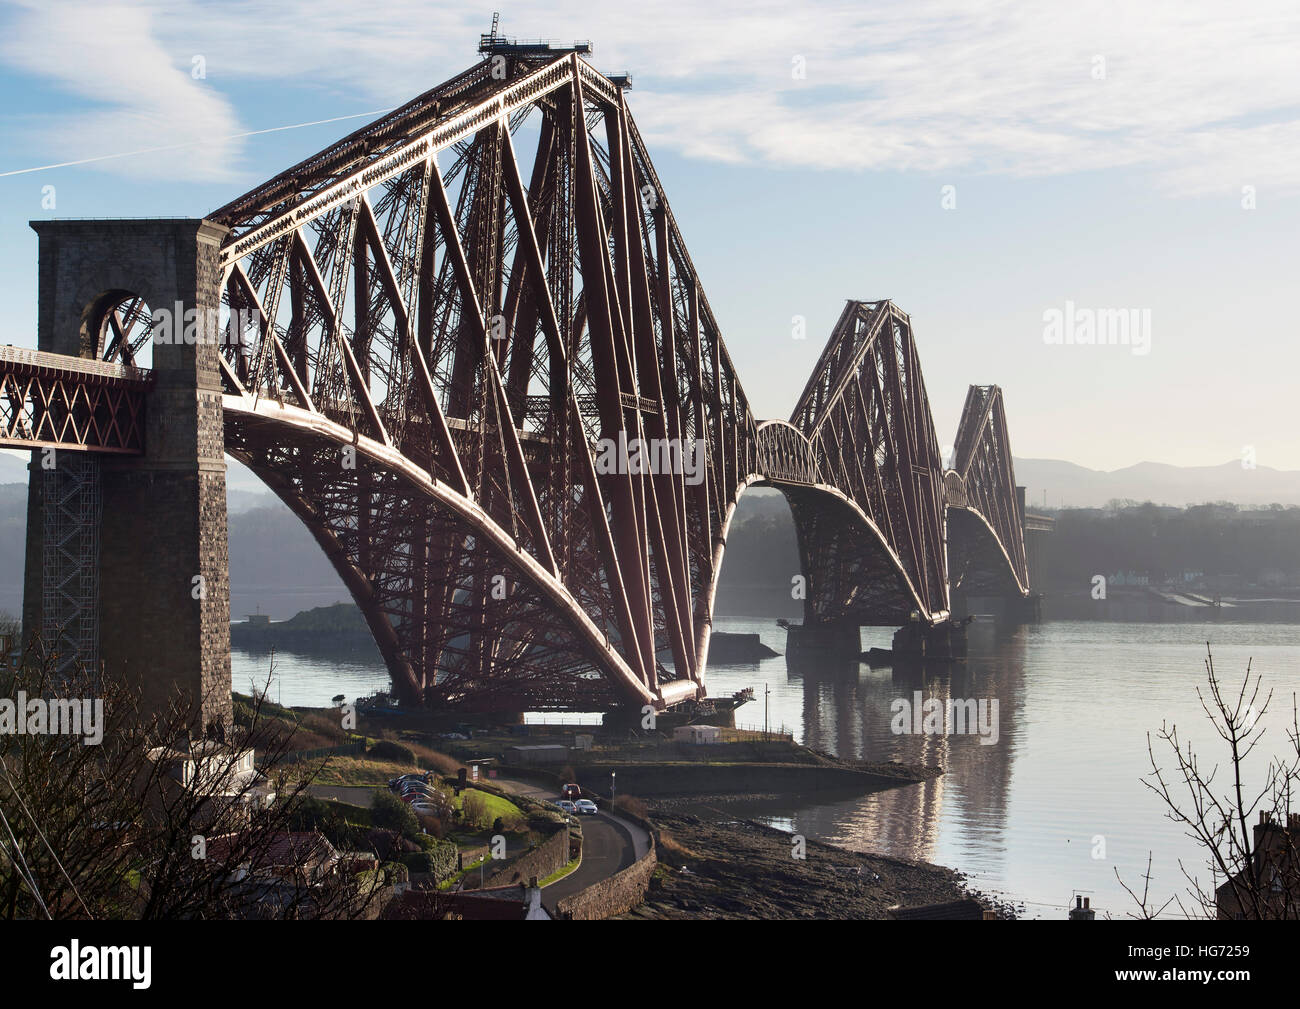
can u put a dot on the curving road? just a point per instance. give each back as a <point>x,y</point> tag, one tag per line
<point>609,842</point>
<point>609,845</point>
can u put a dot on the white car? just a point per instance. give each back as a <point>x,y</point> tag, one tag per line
<point>566,806</point>
<point>586,806</point>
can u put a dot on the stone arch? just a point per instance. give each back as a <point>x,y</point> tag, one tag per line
<point>134,313</point>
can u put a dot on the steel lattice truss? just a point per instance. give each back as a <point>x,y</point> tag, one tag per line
<point>866,416</point>
<point>432,341</point>
<point>70,520</point>
<point>55,401</point>
<point>444,327</point>
<point>437,336</point>
<point>986,545</point>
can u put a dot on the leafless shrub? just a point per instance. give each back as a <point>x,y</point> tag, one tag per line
<point>1248,833</point>
<point>156,821</point>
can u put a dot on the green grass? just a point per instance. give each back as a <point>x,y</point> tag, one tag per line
<point>496,805</point>
<point>561,872</point>
<point>446,884</point>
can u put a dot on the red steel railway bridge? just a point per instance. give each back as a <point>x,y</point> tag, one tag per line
<point>425,339</point>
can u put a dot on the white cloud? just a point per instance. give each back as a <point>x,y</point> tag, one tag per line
<point>1201,96</point>
<point>137,95</point>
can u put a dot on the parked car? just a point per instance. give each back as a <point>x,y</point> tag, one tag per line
<point>425,808</point>
<point>586,807</point>
<point>571,792</point>
<point>567,806</point>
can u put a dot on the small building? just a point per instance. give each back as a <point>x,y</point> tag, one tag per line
<point>302,855</point>
<point>1274,892</point>
<point>226,775</point>
<point>698,734</point>
<point>541,753</point>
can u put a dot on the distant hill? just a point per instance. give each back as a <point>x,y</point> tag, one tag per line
<point>1065,482</point>
<point>278,569</point>
<point>243,490</point>
<point>326,629</point>
<point>1078,487</point>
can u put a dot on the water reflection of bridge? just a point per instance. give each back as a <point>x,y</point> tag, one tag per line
<point>847,711</point>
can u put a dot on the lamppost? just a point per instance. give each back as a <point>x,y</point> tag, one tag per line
<point>611,787</point>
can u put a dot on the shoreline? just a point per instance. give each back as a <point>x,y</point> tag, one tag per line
<point>743,869</point>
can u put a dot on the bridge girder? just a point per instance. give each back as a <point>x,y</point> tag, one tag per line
<point>432,345</point>
<point>507,325</point>
<point>56,401</point>
<point>986,540</point>
<point>866,416</point>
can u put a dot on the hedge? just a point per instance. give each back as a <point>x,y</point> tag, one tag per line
<point>438,859</point>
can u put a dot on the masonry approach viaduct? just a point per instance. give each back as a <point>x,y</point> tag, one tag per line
<point>420,340</point>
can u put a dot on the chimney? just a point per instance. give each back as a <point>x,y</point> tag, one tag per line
<point>1082,910</point>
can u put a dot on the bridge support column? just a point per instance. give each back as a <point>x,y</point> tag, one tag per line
<point>943,642</point>
<point>161,615</point>
<point>839,640</point>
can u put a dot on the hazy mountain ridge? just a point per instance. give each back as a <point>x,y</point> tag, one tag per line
<point>1067,484</point>
<point>1072,486</point>
<point>278,568</point>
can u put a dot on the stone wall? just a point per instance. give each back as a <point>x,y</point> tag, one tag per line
<point>616,895</point>
<point>548,857</point>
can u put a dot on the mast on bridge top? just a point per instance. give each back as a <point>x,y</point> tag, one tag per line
<point>495,44</point>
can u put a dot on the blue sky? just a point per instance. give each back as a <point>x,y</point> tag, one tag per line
<point>1100,154</point>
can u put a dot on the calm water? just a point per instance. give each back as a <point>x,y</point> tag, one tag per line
<point>1019,817</point>
<point>308,680</point>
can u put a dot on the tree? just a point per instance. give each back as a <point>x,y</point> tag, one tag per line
<point>149,821</point>
<point>388,812</point>
<point>473,808</point>
<point>1257,857</point>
